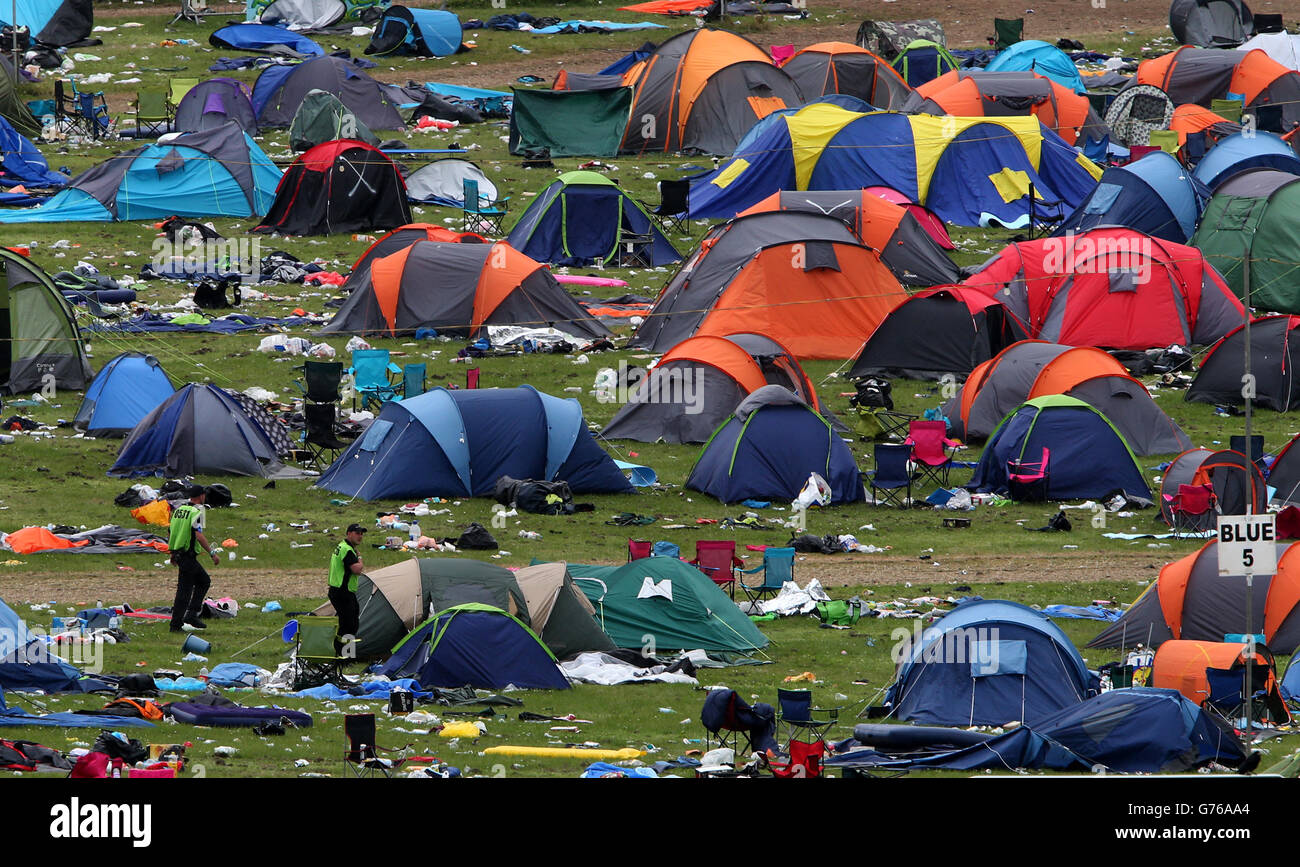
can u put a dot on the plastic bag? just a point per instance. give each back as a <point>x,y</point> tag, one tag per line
<point>816,492</point>
<point>356,343</point>
<point>322,350</point>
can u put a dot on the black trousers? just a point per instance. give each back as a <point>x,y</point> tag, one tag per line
<point>192,585</point>
<point>349,612</point>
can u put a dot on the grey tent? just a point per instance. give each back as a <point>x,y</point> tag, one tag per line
<point>1136,112</point>
<point>1211,23</point>
<point>375,104</point>
<point>12,106</point>
<point>1130,408</point>
<point>561,614</point>
<point>442,182</point>
<point>211,103</point>
<point>303,14</point>
<point>396,599</point>
<point>321,118</point>
<point>39,333</point>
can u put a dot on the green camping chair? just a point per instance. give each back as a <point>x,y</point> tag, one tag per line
<point>1165,139</point>
<point>177,88</point>
<point>1228,109</point>
<point>152,112</point>
<point>315,659</point>
<point>480,216</point>
<point>1008,31</point>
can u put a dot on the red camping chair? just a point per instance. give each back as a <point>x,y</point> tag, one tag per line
<point>638,549</point>
<point>1027,481</point>
<point>1193,509</point>
<point>805,760</point>
<point>471,377</point>
<point>718,560</point>
<point>930,449</point>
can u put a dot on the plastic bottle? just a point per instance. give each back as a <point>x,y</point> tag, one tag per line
<point>415,531</point>
<point>529,534</point>
<point>114,622</point>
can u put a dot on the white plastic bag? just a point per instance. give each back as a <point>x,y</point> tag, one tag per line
<point>357,343</point>
<point>815,493</point>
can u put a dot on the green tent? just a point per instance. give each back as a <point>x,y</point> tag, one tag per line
<point>13,108</point>
<point>659,604</point>
<point>323,117</point>
<point>569,122</point>
<point>38,332</point>
<point>1256,210</point>
<point>559,610</point>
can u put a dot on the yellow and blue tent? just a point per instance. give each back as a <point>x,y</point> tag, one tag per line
<point>967,170</point>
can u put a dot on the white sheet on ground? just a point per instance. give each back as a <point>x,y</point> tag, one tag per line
<point>606,670</point>
<point>794,600</point>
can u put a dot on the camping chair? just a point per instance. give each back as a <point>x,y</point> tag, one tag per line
<point>74,111</point>
<point>1165,139</point>
<point>316,658</point>
<point>1228,109</point>
<point>930,450</point>
<point>194,11</point>
<point>362,758</point>
<point>1192,509</point>
<point>1027,481</point>
<point>718,560</point>
<point>892,474</point>
<point>480,215</point>
<point>729,721</point>
<point>471,377</point>
<point>152,112</point>
<point>413,379</point>
<point>873,407</point>
<point>319,436</point>
<point>633,250</point>
<point>321,381</point>
<point>1007,32</point>
<point>371,369</point>
<point>177,88</point>
<point>673,206</point>
<point>777,568</point>
<point>795,711</point>
<point>805,760</point>
<point>639,549</point>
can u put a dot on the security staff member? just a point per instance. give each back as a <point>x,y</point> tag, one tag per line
<point>345,566</point>
<point>185,540</point>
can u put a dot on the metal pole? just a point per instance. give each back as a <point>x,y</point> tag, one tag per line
<point>1250,646</point>
<point>1245,285</point>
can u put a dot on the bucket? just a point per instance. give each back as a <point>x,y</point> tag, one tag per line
<point>401,703</point>
<point>194,644</point>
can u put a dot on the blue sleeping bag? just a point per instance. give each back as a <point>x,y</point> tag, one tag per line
<point>208,715</point>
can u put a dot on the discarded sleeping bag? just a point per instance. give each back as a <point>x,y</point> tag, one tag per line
<point>234,715</point>
<point>540,498</point>
<point>30,756</point>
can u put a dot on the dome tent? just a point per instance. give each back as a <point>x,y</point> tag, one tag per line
<point>124,391</point>
<point>1211,23</point>
<point>338,187</point>
<point>399,239</point>
<point>1043,58</point>
<point>280,90</point>
<point>1256,213</point>
<point>1154,195</point>
<point>418,32</point>
<point>1239,152</point>
<point>321,118</point>
<point>841,67</point>
<point>1274,352</point>
<point>1237,483</point>
<point>213,103</point>
<point>41,331</point>
<point>442,182</point>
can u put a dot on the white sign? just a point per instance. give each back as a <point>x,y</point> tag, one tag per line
<point>1247,545</point>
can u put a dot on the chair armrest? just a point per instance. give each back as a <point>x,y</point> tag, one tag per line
<point>393,368</point>
<point>752,571</point>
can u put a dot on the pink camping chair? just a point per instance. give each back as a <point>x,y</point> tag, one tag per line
<point>932,451</point>
<point>782,53</point>
<point>1027,481</point>
<point>718,560</point>
<point>471,377</point>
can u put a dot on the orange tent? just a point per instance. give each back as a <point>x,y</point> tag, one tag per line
<point>1199,75</point>
<point>842,67</point>
<point>964,93</point>
<point>33,540</point>
<point>1187,666</point>
<point>1192,118</point>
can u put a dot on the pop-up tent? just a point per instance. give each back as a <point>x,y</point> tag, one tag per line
<point>1201,669</point>
<point>1043,58</point>
<point>1268,89</point>
<point>1190,600</point>
<point>988,662</point>
<point>21,162</point>
<point>55,23</point>
<point>321,118</point>
<point>27,663</point>
<point>1211,23</point>
<point>459,289</point>
<point>280,90</point>
<point>1115,288</point>
<point>1237,483</point>
<point>40,331</point>
<point>1274,351</point>
<point>841,67</point>
<point>1256,213</point>
<point>458,443</point>
<point>213,103</point>
<point>442,182</point>
<point>1085,456</point>
<point>337,187</point>
<point>418,32</point>
<point>219,172</point>
<point>124,391</point>
<point>965,169</point>
<point>399,239</point>
<point>768,448</point>
<point>1155,195</point>
<point>311,14</point>
<point>1239,152</point>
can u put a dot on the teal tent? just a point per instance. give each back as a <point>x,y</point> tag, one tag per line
<point>569,122</point>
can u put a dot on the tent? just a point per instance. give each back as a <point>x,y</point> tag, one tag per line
<point>38,331</point>
<point>395,599</point>
<point>418,32</point>
<point>581,218</point>
<point>889,38</point>
<point>1154,195</point>
<point>21,162</point>
<point>560,612</point>
<point>12,106</point>
<point>213,103</point>
<point>280,90</point>
<point>988,662</point>
<point>1284,476</point>
<point>1281,47</point>
<point>802,279</point>
<point>475,645</point>
<point>1087,457</point>
<point>219,172</point>
<point>1256,213</point>
<point>1136,112</point>
<point>311,14</point>
<point>924,60</point>
<point>264,39</point>
<point>56,23</point>
<point>322,118</point>
<point>1267,88</point>
<point>338,187</point>
<point>1274,352</point>
<point>1211,23</point>
<point>963,169</point>
<point>570,122</point>
<point>1240,152</point>
<point>1115,288</point>
<point>1190,119</point>
<point>201,429</point>
<point>1196,668</point>
<point>1043,58</point>
<point>27,663</point>
<point>1237,483</point>
<point>929,221</point>
<point>667,402</point>
<point>458,443</point>
<point>661,604</point>
<point>841,67</point>
<point>701,90</point>
<point>977,93</point>
<point>944,331</point>
<point>399,239</point>
<point>1190,600</point>
<point>905,247</point>
<point>459,289</point>
<point>768,448</point>
<point>124,391</point>
<point>442,182</point>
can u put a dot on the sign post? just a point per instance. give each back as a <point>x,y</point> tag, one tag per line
<point>1247,546</point>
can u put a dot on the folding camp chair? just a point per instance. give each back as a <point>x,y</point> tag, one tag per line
<point>873,407</point>
<point>777,568</point>
<point>1228,109</point>
<point>371,369</point>
<point>471,377</point>
<point>795,712</point>
<point>1027,480</point>
<point>316,658</point>
<point>893,473</point>
<point>77,112</point>
<point>194,11</point>
<point>639,549</point>
<point>673,206</point>
<point>633,250</point>
<point>804,762</point>
<point>1007,32</point>
<point>479,213</point>
<point>152,114</point>
<point>1192,509</point>
<point>1165,139</point>
<point>413,379</point>
<point>319,436</point>
<point>362,758</point>
<point>177,88</point>
<point>932,451</point>
<point>321,381</point>
<point>729,721</point>
<point>718,560</point>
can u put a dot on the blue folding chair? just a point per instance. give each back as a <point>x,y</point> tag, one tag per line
<point>370,370</point>
<point>777,568</point>
<point>892,474</point>
<point>796,712</point>
<point>413,377</point>
<point>480,214</point>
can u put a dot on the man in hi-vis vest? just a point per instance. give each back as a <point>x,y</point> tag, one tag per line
<point>345,566</point>
<point>186,540</point>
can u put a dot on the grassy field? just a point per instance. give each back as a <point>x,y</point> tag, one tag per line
<point>58,477</point>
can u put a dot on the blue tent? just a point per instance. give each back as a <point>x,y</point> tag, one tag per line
<point>475,645</point>
<point>1137,730</point>
<point>52,22</point>
<point>266,38</point>
<point>127,389</point>
<point>421,32</point>
<point>1239,152</point>
<point>1087,456</point>
<point>26,663</point>
<point>580,219</point>
<point>768,447</point>
<point>218,172</point>
<point>1155,196</point>
<point>458,443</point>
<point>627,61</point>
<point>22,163</point>
<point>988,662</point>
<point>843,100</point>
<point>1033,55</point>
